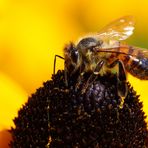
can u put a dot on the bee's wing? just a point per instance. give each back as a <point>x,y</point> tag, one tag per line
<point>119,29</point>
<point>137,52</point>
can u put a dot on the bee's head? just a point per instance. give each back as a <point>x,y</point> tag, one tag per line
<point>71,54</point>
<point>88,43</point>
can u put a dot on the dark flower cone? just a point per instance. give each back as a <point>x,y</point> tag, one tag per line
<point>57,116</point>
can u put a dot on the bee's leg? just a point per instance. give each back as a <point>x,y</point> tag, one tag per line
<point>121,79</point>
<point>81,71</point>
<point>79,81</point>
<point>98,67</point>
<point>65,75</point>
<point>93,76</point>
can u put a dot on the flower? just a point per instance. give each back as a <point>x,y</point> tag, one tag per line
<point>32,32</point>
<point>61,116</point>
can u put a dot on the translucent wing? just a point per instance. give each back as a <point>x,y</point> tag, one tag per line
<point>137,52</point>
<point>119,29</point>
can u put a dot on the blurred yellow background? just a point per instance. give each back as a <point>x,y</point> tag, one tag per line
<point>32,32</point>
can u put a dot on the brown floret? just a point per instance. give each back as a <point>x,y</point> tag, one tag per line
<point>58,116</point>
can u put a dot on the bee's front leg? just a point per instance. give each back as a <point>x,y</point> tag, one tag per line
<point>93,76</point>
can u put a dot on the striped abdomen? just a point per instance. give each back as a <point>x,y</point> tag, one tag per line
<point>136,61</point>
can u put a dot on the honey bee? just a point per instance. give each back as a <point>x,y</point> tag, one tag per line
<point>103,51</point>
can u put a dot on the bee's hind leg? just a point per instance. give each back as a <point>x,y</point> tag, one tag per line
<point>93,76</point>
<point>121,79</point>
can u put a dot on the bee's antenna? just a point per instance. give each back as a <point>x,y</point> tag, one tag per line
<point>65,71</point>
<point>55,62</point>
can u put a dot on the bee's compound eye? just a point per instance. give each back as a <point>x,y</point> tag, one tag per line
<point>87,43</point>
<point>74,55</point>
